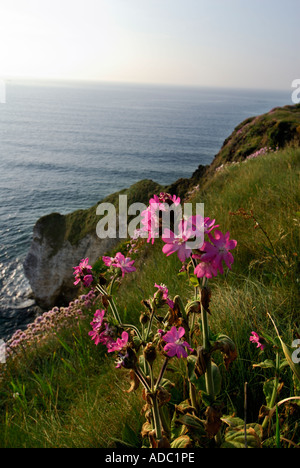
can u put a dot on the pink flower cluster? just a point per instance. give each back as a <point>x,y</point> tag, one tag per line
<point>83,273</point>
<point>213,254</point>
<point>256,154</point>
<point>261,152</point>
<point>194,228</point>
<point>102,332</point>
<point>120,261</point>
<point>190,236</point>
<point>48,325</point>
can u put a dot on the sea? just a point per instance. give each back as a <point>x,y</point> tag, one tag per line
<point>64,146</point>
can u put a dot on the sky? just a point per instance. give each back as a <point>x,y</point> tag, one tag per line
<point>218,43</point>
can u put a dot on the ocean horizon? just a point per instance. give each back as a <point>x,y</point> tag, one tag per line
<point>65,146</point>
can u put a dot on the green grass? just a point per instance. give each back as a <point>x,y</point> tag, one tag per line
<point>67,393</point>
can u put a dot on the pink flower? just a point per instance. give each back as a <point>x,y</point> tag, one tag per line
<point>106,336</point>
<point>87,280</point>
<point>175,345</point>
<point>95,335</point>
<point>98,318</point>
<point>83,272</point>
<point>119,261</point>
<point>102,332</point>
<point>119,344</point>
<point>255,338</point>
<point>218,251</point>
<point>125,263</point>
<point>178,243</point>
<point>108,261</point>
<point>206,269</point>
<point>202,224</point>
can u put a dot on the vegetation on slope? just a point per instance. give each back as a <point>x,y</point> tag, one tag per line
<point>276,129</point>
<point>65,392</point>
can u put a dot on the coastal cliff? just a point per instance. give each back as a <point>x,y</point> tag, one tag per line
<point>61,241</point>
<point>48,263</point>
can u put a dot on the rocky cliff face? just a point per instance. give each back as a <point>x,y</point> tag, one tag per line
<point>48,265</point>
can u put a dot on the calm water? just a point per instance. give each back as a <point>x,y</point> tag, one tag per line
<point>66,146</point>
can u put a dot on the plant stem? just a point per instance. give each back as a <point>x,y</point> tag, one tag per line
<point>162,371</point>
<point>150,321</point>
<point>142,378</point>
<point>206,346</point>
<point>245,413</point>
<point>275,389</point>
<point>115,312</point>
<point>156,417</point>
<point>193,397</point>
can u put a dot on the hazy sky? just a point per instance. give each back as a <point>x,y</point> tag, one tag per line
<point>235,43</point>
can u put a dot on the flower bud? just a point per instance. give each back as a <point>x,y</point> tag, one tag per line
<point>144,318</point>
<point>205,298</point>
<point>193,307</point>
<point>150,353</point>
<point>129,360</point>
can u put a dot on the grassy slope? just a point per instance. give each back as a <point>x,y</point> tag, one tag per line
<point>76,397</point>
<point>277,128</point>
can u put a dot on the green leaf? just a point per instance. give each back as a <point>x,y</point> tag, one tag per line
<point>137,342</point>
<point>232,421</point>
<point>235,437</point>
<point>283,364</point>
<point>194,281</point>
<point>181,442</point>
<point>192,422</point>
<point>288,355</point>
<point>177,429</point>
<point>267,364</point>
<point>207,400</point>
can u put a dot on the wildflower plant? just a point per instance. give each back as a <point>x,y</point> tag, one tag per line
<point>273,386</point>
<point>169,330</point>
